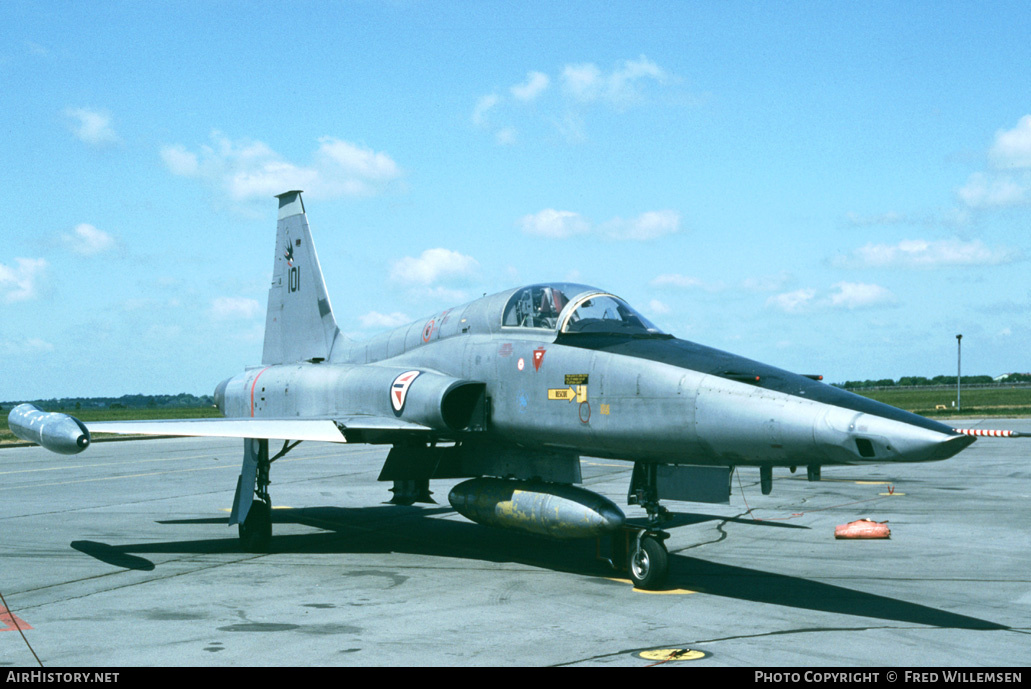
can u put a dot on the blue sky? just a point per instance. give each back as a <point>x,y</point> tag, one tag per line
<point>831,188</point>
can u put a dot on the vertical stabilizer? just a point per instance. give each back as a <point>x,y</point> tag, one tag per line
<point>299,324</point>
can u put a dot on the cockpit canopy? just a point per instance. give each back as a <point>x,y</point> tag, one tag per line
<point>572,308</point>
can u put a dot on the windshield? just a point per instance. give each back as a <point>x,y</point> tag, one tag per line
<point>606,313</point>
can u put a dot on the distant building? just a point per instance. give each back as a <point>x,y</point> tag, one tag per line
<point>1017,377</point>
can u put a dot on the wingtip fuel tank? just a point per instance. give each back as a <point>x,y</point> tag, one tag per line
<point>56,432</point>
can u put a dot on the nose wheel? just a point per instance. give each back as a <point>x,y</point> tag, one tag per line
<point>640,552</point>
<point>648,562</point>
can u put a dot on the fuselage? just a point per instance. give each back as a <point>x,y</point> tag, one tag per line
<point>637,395</point>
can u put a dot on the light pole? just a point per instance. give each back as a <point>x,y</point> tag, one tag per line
<point>959,369</point>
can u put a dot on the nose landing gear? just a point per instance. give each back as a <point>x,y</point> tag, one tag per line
<point>647,560</point>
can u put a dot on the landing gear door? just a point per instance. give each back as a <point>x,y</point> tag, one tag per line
<point>682,482</point>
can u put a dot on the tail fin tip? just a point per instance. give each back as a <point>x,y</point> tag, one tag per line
<point>290,203</point>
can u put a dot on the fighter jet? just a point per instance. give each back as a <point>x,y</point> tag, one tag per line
<point>509,391</point>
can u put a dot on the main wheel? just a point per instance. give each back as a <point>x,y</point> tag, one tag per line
<point>649,563</point>
<point>256,529</point>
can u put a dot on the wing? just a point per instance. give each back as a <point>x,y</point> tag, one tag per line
<point>346,429</point>
<point>68,435</point>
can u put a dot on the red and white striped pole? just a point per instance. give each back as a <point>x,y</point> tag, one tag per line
<point>986,433</point>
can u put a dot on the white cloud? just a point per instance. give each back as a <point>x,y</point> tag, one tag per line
<point>505,136</point>
<point>554,224</point>
<point>179,161</point>
<point>582,84</point>
<point>622,81</point>
<point>995,190</point>
<point>247,170</point>
<point>843,295</point>
<point>1009,181</point>
<point>484,105</point>
<point>233,308</point>
<point>858,295</point>
<point>433,265</point>
<point>583,81</point>
<point>647,226</point>
<point>792,302</point>
<point>92,126</point>
<point>25,346</point>
<point>536,83</point>
<point>620,87</point>
<point>658,308</point>
<point>1012,147</point>
<point>86,240</point>
<point>21,282</point>
<point>354,161</point>
<point>377,320</point>
<point>921,253</point>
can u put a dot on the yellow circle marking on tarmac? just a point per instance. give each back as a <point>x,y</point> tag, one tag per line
<point>667,654</point>
<point>666,592</point>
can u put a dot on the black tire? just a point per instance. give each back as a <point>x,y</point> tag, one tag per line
<point>256,529</point>
<point>649,564</point>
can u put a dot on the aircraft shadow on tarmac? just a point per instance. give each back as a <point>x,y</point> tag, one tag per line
<point>399,529</point>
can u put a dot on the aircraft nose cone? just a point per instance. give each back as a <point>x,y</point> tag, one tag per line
<point>915,444</point>
<point>874,439</point>
<point>950,446</point>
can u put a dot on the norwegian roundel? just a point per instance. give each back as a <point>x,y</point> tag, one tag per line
<point>399,389</point>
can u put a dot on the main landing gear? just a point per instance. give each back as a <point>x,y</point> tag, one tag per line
<point>256,529</point>
<point>252,505</point>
